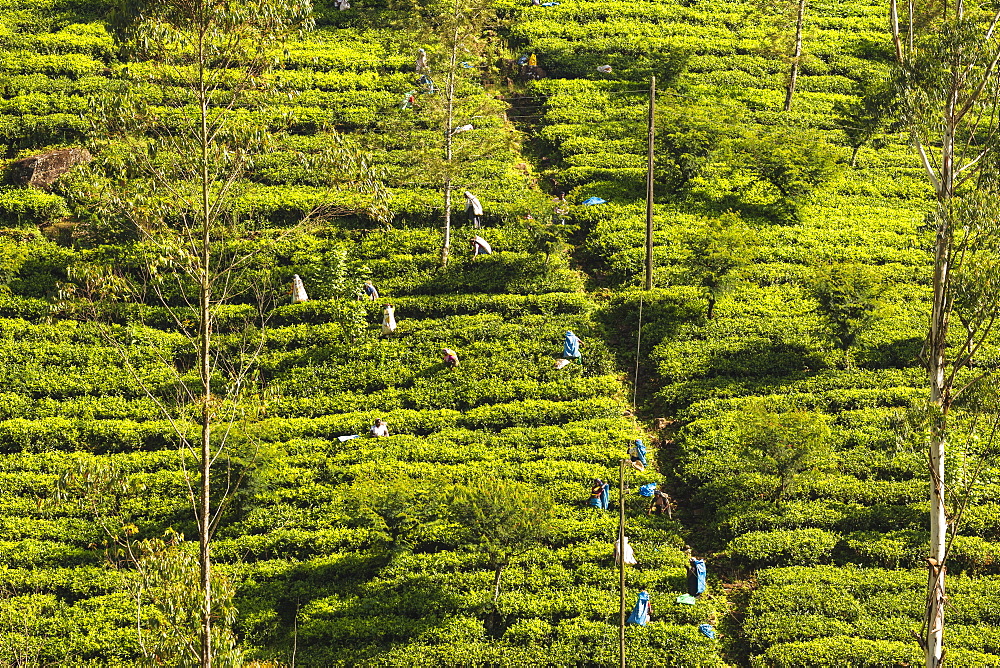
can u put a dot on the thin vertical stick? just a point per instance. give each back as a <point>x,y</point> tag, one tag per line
<point>638,341</point>
<point>621,560</point>
<point>649,186</point>
<point>793,76</point>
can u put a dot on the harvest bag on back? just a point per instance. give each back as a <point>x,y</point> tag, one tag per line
<point>696,577</point>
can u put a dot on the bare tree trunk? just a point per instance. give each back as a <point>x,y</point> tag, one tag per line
<point>793,76</point>
<point>449,122</point>
<point>205,372</point>
<point>496,585</point>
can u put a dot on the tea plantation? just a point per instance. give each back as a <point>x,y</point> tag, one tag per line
<point>342,552</point>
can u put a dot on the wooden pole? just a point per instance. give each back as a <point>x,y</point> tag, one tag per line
<point>621,560</point>
<point>638,343</point>
<point>649,185</point>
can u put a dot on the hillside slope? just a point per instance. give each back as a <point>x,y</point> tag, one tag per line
<point>335,549</point>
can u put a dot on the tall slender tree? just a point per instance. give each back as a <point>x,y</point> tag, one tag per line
<point>947,56</point>
<point>784,41</point>
<point>168,171</point>
<point>455,28</point>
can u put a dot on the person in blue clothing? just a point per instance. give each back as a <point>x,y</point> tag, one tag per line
<point>599,494</point>
<point>641,611</point>
<point>571,347</point>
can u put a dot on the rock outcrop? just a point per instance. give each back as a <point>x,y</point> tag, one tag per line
<point>41,171</point>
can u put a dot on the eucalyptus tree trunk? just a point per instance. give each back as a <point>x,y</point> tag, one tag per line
<point>950,103</point>
<point>793,75</point>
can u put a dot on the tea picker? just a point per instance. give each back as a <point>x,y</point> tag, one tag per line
<point>559,210</point>
<point>388,320</point>
<point>449,357</point>
<point>379,429</point>
<point>626,554</point>
<point>637,455</point>
<point>571,347</point>
<point>343,4</point>
<point>427,84</point>
<point>641,611</point>
<point>696,576</point>
<point>369,291</point>
<point>298,290</point>
<point>473,210</point>
<point>480,246</point>
<point>421,64</point>
<point>661,504</point>
<point>599,494</point>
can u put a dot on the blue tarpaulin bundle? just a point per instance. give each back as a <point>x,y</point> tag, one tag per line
<point>707,630</point>
<point>591,201</point>
<point>648,489</point>
<point>696,574</point>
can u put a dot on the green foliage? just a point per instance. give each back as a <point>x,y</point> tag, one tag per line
<point>27,207</point>
<point>847,296</point>
<point>716,249</point>
<point>783,444</point>
<point>876,110</point>
<point>687,139</point>
<point>169,599</point>
<point>791,162</point>
<point>504,518</point>
<point>795,547</point>
<point>334,549</point>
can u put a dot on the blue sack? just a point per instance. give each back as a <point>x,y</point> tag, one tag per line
<point>590,201</point>
<point>707,630</point>
<point>696,575</point>
<point>648,489</point>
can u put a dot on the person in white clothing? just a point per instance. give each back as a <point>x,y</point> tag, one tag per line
<point>480,246</point>
<point>629,556</point>
<point>379,429</point>
<point>298,290</point>
<point>388,320</point>
<point>473,210</point>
